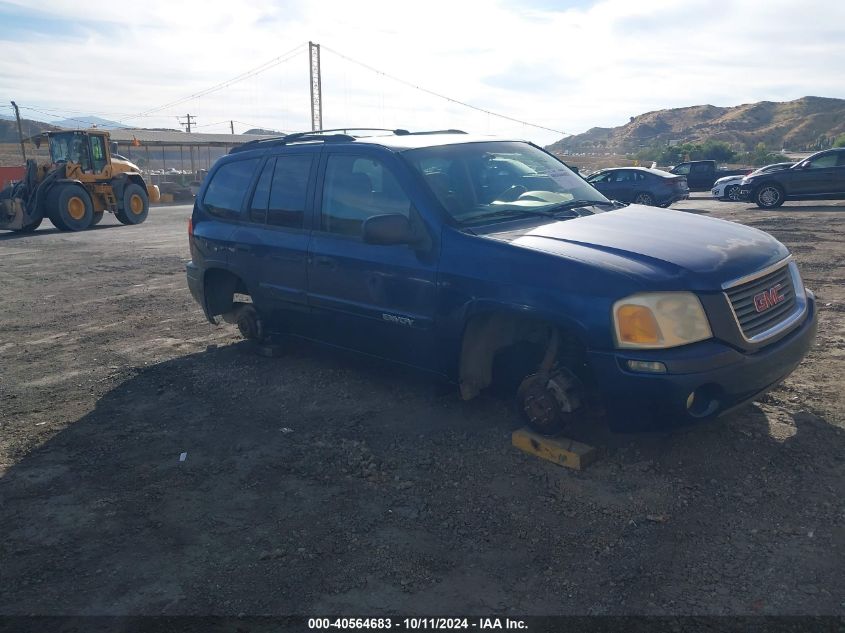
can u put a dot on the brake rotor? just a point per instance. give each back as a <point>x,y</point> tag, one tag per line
<point>549,400</point>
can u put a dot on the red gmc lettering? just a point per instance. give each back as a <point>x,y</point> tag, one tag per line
<point>768,298</point>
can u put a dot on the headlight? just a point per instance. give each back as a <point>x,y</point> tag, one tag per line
<point>656,320</point>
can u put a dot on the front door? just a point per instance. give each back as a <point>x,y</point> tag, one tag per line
<point>373,298</point>
<point>818,177</point>
<point>624,185</point>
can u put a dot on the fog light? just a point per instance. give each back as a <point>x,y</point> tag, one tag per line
<point>690,400</point>
<point>647,366</point>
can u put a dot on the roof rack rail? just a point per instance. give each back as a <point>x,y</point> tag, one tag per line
<point>407,133</point>
<point>291,138</point>
<point>336,135</point>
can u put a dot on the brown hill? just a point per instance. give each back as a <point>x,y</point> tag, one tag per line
<point>9,129</point>
<point>796,125</point>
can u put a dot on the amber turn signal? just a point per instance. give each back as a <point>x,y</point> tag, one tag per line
<point>637,325</point>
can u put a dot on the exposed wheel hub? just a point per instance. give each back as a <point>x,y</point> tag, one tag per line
<point>249,325</point>
<point>549,399</point>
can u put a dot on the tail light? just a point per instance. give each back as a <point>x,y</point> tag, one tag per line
<point>190,227</point>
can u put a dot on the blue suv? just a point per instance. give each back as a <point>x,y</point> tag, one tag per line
<point>490,263</point>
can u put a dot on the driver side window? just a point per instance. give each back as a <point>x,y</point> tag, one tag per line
<point>357,188</point>
<point>98,153</point>
<point>822,162</point>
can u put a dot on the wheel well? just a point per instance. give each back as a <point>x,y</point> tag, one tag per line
<point>220,288</point>
<point>501,349</point>
<point>137,180</point>
<point>767,183</point>
<point>120,181</point>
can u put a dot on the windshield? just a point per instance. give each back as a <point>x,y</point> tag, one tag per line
<point>478,182</point>
<point>69,146</point>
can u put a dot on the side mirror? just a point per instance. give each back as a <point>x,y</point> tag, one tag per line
<point>114,147</point>
<point>388,229</point>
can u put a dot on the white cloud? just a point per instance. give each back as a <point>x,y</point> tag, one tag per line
<point>568,69</point>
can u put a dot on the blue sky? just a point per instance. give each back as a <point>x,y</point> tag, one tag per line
<point>567,66</point>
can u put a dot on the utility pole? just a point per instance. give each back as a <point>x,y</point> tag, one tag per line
<point>316,87</point>
<point>232,126</point>
<point>187,124</point>
<point>20,131</point>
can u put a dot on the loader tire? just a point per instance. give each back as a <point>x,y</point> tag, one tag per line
<point>70,208</point>
<point>136,205</point>
<point>97,217</point>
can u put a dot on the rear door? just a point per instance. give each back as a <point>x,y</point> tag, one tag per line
<point>218,210</point>
<point>270,247</point>
<point>373,298</point>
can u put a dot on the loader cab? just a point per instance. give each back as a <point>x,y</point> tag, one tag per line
<point>88,150</point>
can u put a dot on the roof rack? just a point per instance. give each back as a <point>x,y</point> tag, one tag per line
<point>334,135</point>
<point>299,137</point>
<point>407,133</point>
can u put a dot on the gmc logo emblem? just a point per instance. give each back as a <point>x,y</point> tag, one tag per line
<point>768,298</point>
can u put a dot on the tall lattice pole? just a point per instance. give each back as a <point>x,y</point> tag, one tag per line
<point>316,87</point>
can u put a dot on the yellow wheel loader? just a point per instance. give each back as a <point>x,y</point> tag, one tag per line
<point>82,181</point>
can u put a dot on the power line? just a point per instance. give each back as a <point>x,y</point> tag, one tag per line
<point>226,122</point>
<point>442,96</point>
<point>66,111</point>
<point>54,113</point>
<point>225,84</point>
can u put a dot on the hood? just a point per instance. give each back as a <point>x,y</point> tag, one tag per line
<point>724,179</point>
<point>659,247</point>
<point>123,165</point>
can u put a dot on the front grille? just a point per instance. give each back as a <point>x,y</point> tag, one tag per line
<point>742,296</point>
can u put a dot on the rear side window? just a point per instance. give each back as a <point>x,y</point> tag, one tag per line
<point>261,197</point>
<point>228,186</point>
<point>286,206</point>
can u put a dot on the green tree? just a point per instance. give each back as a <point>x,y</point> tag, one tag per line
<point>840,141</point>
<point>761,155</point>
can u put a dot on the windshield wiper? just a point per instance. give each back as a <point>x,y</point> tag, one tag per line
<point>573,204</point>
<point>554,214</point>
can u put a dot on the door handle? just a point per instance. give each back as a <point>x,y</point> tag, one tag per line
<point>324,261</point>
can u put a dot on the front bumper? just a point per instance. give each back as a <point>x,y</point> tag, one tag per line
<point>722,377</point>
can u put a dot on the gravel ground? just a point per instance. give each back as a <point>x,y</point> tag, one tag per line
<point>321,483</point>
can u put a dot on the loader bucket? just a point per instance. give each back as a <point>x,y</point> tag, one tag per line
<point>12,214</point>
